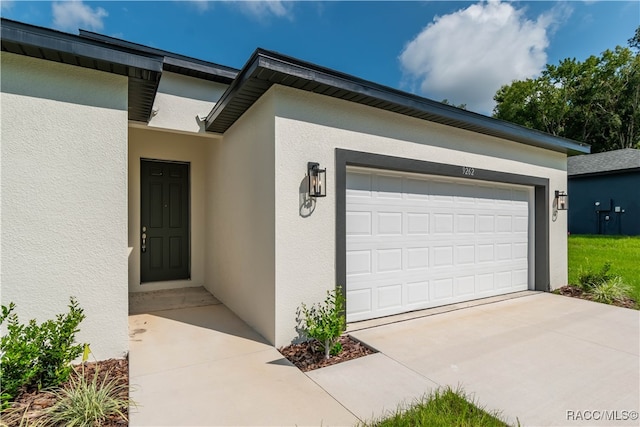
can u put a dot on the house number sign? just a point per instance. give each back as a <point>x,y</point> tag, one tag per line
<point>468,171</point>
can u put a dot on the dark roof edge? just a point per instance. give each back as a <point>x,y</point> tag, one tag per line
<point>40,37</point>
<point>222,72</point>
<point>438,112</point>
<point>243,75</point>
<point>607,172</point>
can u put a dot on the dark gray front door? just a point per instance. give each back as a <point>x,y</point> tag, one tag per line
<point>164,227</point>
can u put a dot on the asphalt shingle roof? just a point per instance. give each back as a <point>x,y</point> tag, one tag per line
<point>627,158</point>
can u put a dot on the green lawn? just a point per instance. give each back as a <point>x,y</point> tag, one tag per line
<point>442,408</point>
<point>592,252</point>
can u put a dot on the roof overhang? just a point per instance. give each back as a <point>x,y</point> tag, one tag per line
<point>143,71</point>
<point>143,66</point>
<point>173,62</point>
<point>266,68</point>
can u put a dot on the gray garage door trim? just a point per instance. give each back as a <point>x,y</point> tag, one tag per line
<point>346,158</point>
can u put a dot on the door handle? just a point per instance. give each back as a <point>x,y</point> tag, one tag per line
<point>143,247</point>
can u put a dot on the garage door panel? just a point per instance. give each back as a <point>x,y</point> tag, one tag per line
<point>486,223</point>
<point>503,251</point>
<point>443,223</point>
<point>484,283</point>
<point>520,250</point>
<point>520,198</point>
<point>390,296</point>
<point>416,189</point>
<point>465,254</point>
<point>417,293</point>
<point>520,224</point>
<point>442,289</point>
<point>389,223</point>
<point>417,223</point>
<point>359,262</point>
<point>416,242</point>
<point>485,253</point>
<point>465,223</point>
<point>503,224</point>
<point>442,256</point>
<point>502,196</point>
<point>359,223</point>
<point>417,258</point>
<point>503,280</point>
<point>520,279</point>
<point>359,301</point>
<point>465,285</point>
<point>388,187</point>
<point>388,260</point>
<point>359,185</point>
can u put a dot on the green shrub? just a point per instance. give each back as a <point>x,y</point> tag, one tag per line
<point>602,286</point>
<point>325,322</point>
<point>610,291</point>
<point>37,356</point>
<point>88,402</point>
<point>588,279</point>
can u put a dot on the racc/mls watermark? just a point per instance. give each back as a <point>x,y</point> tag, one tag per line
<point>601,415</point>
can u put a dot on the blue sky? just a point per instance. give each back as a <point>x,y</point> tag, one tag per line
<point>461,51</point>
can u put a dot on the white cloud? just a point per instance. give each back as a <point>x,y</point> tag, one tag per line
<point>200,5</point>
<point>71,15</point>
<point>467,55</point>
<point>265,8</point>
<point>258,9</point>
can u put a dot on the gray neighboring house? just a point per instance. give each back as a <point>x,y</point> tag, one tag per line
<point>131,169</point>
<point>604,192</point>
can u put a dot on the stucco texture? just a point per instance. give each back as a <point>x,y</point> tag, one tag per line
<point>64,196</point>
<point>241,239</point>
<point>181,99</point>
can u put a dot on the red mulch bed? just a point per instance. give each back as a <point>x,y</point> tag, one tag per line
<point>308,356</point>
<point>31,403</point>
<point>576,292</point>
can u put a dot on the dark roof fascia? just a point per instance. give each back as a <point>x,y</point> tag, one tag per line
<point>18,33</point>
<point>173,62</point>
<point>246,73</point>
<point>603,173</point>
<point>143,70</point>
<point>288,71</point>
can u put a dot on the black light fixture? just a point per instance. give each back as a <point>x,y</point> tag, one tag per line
<point>561,200</point>
<point>317,180</point>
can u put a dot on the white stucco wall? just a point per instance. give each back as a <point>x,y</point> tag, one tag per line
<point>64,196</point>
<point>180,99</point>
<point>240,235</point>
<point>308,127</point>
<point>147,143</point>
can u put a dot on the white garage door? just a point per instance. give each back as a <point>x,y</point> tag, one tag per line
<point>417,241</point>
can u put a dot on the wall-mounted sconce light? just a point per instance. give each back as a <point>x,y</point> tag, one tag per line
<point>561,200</point>
<point>317,180</point>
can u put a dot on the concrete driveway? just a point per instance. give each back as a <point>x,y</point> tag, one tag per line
<point>541,359</point>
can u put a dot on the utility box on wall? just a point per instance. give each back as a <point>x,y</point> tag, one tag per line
<point>605,193</point>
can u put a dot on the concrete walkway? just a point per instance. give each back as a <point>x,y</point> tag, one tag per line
<point>541,359</point>
<point>202,366</point>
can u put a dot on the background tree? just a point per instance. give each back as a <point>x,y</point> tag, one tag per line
<point>596,101</point>
<point>447,102</point>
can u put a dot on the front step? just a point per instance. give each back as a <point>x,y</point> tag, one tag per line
<point>171,299</point>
